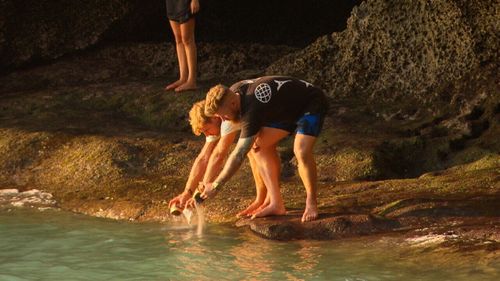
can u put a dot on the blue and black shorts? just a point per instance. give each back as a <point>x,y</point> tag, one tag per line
<point>310,123</point>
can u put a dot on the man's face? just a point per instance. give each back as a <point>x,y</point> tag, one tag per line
<point>212,127</point>
<point>225,114</point>
<point>228,111</point>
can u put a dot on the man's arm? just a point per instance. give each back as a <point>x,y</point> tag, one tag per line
<point>199,166</point>
<point>233,163</point>
<point>218,156</point>
<point>196,174</point>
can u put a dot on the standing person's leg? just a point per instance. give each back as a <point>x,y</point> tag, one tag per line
<point>260,188</point>
<point>303,150</point>
<point>189,43</point>
<point>269,165</point>
<point>181,56</point>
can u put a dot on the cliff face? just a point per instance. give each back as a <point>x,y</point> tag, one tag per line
<point>401,52</point>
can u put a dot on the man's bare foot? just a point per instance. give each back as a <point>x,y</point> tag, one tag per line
<point>174,85</point>
<point>249,210</point>
<point>259,208</point>
<point>187,86</point>
<point>310,213</point>
<point>270,210</point>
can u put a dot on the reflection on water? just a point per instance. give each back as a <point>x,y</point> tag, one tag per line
<point>55,245</point>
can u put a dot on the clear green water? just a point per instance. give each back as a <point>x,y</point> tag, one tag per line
<point>54,245</point>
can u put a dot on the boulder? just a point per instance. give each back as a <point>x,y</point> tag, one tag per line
<point>400,55</point>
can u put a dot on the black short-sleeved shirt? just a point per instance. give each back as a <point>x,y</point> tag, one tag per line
<point>271,99</point>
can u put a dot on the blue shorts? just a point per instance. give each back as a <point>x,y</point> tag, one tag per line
<point>308,124</point>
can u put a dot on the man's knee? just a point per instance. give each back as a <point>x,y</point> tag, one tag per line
<point>302,152</point>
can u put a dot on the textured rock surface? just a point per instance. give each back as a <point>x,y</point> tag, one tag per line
<point>400,52</point>
<point>145,61</point>
<point>34,30</point>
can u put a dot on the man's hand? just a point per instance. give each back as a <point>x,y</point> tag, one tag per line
<point>195,6</point>
<point>209,192</point>
<point>180,200</point>
<point>191,203</point>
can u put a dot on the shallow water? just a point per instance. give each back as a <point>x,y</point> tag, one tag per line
<point>55,245</point>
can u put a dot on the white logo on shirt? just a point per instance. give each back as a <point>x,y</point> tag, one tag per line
<point>307,83</point>
<point>263,93</point>
<point>281,83</point>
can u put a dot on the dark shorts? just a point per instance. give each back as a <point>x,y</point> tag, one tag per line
<point>310,123</point>
<point>179,10</point>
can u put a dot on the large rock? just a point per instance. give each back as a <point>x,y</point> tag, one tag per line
<point>328,226</point>
<point>400,53</point>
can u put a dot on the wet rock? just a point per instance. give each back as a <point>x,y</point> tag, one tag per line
<point>327,226</point>
<point>33,198</point>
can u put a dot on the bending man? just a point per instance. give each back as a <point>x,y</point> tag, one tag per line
<point>271,107</point>
<point>209,162</point>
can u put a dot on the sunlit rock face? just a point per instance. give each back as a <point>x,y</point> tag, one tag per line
<point>404,52</point>
<point>34,30</point>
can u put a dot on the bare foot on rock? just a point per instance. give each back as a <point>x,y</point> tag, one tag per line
<point>262,206</point>
<point>188,86</point>
<point>310,213</point>
<point>174,85</point>
<point>270,210</point>
<point>249,210</point>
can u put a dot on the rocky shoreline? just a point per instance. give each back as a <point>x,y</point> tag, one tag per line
<point>95,133</point>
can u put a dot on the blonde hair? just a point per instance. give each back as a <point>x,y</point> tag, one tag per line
<point>215,98</point>
<point>197,117</point>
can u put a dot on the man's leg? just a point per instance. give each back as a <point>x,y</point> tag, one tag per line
<point>260,188</point>
<point>303,150</point>
<point>268,162</point>
<point>181,56</point>
<point>187,34</point>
